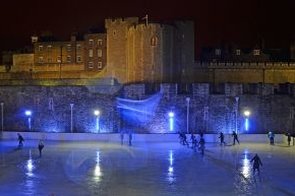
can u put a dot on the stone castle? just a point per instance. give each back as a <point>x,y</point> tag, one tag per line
<point>136,51</point>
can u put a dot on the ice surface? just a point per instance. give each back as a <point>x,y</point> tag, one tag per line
<point>153,169</point>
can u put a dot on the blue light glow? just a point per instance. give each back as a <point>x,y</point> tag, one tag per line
<point>170,174</point>
<point>136,112</point>
<point>28,112</point>
<point>171,121</point>
<point>246,124</point>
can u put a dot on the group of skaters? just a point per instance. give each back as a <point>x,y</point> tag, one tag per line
<point>195,144</point>
<point>200,145</point>
<point>21,140</point>
<point>129,137</point>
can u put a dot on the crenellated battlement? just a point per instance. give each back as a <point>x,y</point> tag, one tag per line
<point>113,22</point>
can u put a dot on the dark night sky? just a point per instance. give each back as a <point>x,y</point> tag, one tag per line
<point>217,21</point>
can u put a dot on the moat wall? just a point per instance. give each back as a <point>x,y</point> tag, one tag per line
<point>210,108</point>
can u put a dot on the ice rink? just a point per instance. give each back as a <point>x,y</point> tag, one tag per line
<point>151,169</point>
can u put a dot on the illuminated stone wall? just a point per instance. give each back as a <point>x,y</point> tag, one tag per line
<point>211,108</point>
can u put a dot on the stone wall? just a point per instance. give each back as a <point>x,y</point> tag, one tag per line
<point>272,107</point>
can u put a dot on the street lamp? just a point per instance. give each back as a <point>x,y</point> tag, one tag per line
<point>28,113</point>
<point>71,105</point>
<point>171,121</point>
<point>2,116</point>
<point>97,114</point>
<point>187,114</point>
<point>247,113</point>
<point>237,109</point>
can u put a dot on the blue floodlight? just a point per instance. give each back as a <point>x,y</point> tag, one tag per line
<point>171,121</point>
<point>28,112</point>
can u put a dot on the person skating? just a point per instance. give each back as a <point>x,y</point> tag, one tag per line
<point>256,163</point>
<point>194,141</point>
<point>271,137</point>
<point>20,140</point>
<point>122,137</point>
<point>221,137</point>
<point>40,147</point>
<point>202,146</point>
<point>235,138</point>
<point>130,138</point>
<point>289,139</point>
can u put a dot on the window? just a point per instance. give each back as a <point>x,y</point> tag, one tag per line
<point>90,65</point>
<point>99,65</point>
<point>49,60</point>
<point>99,52</point>
<point>256,52</point>
<point>154,41</point>
<point>99,42</point>
<point>69,59</point>
<point>49,48</point>
<point>69,47</point>
<point>238,52</point>
<point>78,47</point>
<point>41,59</point>
<point>58,59</point>
<point>40,48</point>
<point>217,52</point>
<point>90,42</point>
<point>90,53</point>
<point>79,59</point>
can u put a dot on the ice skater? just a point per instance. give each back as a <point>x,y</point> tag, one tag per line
<point>194,141</point>
<point>130,138</point>
<point>271,137</point>
<point>202,146</point>
<point>256,164</point>
<point>235,138</point>
<point>40,147</point>
<point>221,137</point>
<point>289,139</point>
<point>20,140</point>
<point>122,137</point>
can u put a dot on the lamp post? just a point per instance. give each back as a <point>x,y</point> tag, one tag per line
<point>71,105</point>
<point>2,117</point>
<point>247,114</point>
<point>97,114</point>
<point>28,113</point>
<point>187,114</point>
<point>237,109</point>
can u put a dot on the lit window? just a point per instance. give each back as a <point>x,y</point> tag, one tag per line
<point>90,42</point>
<point>256,52</point>
<point>78,46</point>
<point>41,59</point>
<point>68,59</point>
<point>154,41</point>
<point>58,59</point>
<point>99,53</point>
<point>79,59</point>
<point>99,42</point>
<point>217,52</point>
<point>49,47</point>
<point>40,48</point>
<point>69,47</point>
<point>238,52</point>
<point>90,53</point>
<point>99,65</point>
<point>90,65</point>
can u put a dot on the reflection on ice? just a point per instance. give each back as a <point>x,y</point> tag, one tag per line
<point>246,166</point>
<point>97,171</point>
<point>30,166</point>
<point>170,175</point>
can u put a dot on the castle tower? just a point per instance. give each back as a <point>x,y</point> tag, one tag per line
<point>151,53</point>
<point>117,31</point>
